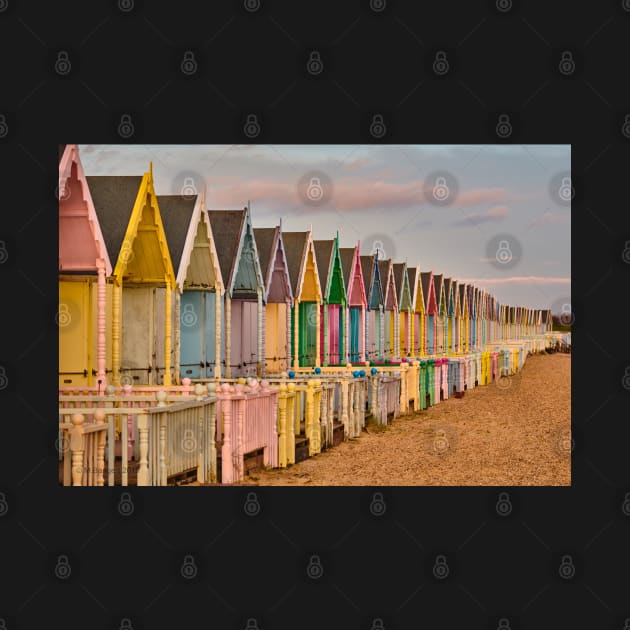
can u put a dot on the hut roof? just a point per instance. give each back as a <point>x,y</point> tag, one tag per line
<point>323,254</point>
<point>264,243</point>
<point>227,225</point>
<point>347,256</point>
<point>114,197</point>
<point>176,212</point>
<point>295,250</point>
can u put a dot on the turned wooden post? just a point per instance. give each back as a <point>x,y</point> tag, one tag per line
<point>228,336</point>
<point>212,438</point>
<point>100,325</point>
<point>116,324</point>
<point>77,449</point>
<point>290,439</point>
<point>201,456</point>
<point>99,417</point>
<point>344,404</point>
<point>143,437</point>
<point>260,363</point>
<point>226,451</point>
<point>282,426</point>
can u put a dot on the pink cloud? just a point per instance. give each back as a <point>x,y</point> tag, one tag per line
<point>517,280</point>
<point>349,193</point>
<point>494,214</point>
<point>549,218</point>
<point>358,163</point>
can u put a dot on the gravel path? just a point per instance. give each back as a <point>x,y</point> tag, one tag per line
<point>511,433</point>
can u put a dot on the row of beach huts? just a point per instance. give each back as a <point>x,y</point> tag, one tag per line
<point>194,345</point>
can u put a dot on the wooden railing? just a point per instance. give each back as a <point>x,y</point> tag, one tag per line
<point>172,438</point>
<point>247,423</point>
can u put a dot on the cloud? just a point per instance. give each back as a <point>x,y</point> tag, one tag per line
<point>492,215</point>
<point>358,163</point>
<point>518,280</point>
<point>549,218</point>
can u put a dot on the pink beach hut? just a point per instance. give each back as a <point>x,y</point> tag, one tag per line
<point>84,266</point>
<point>357,302</point>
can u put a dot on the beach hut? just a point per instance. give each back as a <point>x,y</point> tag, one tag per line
<point>449,317</point>
<point>307,298</point>
<point>457,314</point>
<point>244,286</point>
<point>277,298</point>
<point>403,296</point>
<point>463,317</point>
<point>332,341</point>
<point>143,280</point>
<point>418,320</point>
<point>356,302</point>
<point>440,317</point>
<point>197,344</point>
<point>84,294</point>
<point>390,304</point>
<point>430,311</point>
<point>374,314</point>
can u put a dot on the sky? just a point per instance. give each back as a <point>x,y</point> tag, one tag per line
<point>498,216</point>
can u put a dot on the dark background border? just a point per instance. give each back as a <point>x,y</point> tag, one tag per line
<point>374,61</point>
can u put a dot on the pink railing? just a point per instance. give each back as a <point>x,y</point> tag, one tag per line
<point>247,423</point>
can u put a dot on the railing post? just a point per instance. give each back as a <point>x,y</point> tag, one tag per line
<point>77,449</point>
<point>282,426</point>
<point>99,417</point>
<point>226,450</point>
<point>201,456</point>
<point>163,473</point>
<point>212,473</point>
<point>344,404</point>
<point>290,438</point>
<point>309,418</point>
<point>143,434</point>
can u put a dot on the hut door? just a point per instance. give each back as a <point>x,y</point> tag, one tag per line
<point>209,343</point>
<point>355,328</point>
<point>192,341</point>
<point>138,332</point>
<point>307,333</point>
<point>75,343</point>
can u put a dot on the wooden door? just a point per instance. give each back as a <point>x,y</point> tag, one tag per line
<point>355,333</point>
<point>75,317</point>
<point>192,337</point>
<point>307,333</point>
<point>138,336</point>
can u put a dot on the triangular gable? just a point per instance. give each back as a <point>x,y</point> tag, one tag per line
<point>247,275</point>
<point>302,265</point>
<point>133,229</point>
<point>402,286</point>
<point>372,279</point>
<point>440,300</point>
<point>330,270</point>
<point>428,290</point>
<point>419,300</point>
<point>448,293</point>
<point>463,301</point>
<point>273,264</point>
<point>386,268</point>
<point>191,241</point>
<point>81,241</point>
<point>353,275</point>
<point>455,291</point>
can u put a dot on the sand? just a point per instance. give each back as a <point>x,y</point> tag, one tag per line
<point>511,433</point>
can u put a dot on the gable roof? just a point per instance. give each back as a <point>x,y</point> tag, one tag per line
<point>176,212</point>
<point>295,246</point>
<point>323,253</point>
<point>438,281</point>
<point>402,285</point>
<point>347,255</point>
<point>386,269</point>
<point>371,280</point>
<point>114,199</point>
<point>73,227</point>
<point>269,242</point>
<point>228,226</point>
<point>353,273</point>
<point>265,240</point>
<point>428,291</point>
